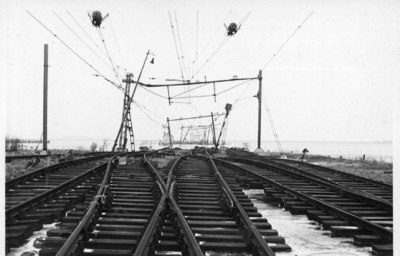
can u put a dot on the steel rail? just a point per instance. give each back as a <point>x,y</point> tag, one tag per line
<point>153,170</point>
<point>31,203</point>
<point>143,245</point>
<point>257,239</point>
<point>12,158</point>
<point>343,190</point>
<point>145,241</point>
<point>171,171</point>
<point>368,181</point>
<point>50,168</point>
<point>376,229</point>
<point>379,200</point>
<point>69,245</point>
<point>287,167</point>
<point>194,246</point>
<point>341,173</point>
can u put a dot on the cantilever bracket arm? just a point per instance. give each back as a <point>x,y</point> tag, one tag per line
<point>196,83</point>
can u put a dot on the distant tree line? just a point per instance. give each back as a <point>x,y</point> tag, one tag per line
<point>15,143</point>
<point>10,140</point>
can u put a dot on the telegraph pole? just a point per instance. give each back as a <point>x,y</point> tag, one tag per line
<point>46,65</point>
<point>259,109</point>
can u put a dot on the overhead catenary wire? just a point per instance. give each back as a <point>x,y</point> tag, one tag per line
<point>113,83</point>
<point>144,87</point>
<point>283,45</point>
<point>197,44</point>
<point>201,96</point>
<point>101,50</point>
<point>116,41</point>
<point>148,116</point>
<point>180,45</point>
<point>233,87</point>
<point>222,43</point>
<point>245,18</point>
<point>219,27</point>
<point>212,55</point>
<point>176,45</point>
<point>265,38</point>
<point>181,52</point>
<point>108,54</point>
<point>147,98</point>
<point>145,110</point>
<point>118,86</point>
<point>242,103</point>
<point>240,95</point>
<point>188,91</point>
<point>81,39</point>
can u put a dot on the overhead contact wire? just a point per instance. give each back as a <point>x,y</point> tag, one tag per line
<point>176,45</point>
<point>119,87</point>
<point>288,40</point>
<point>182,58</point>
<point>81,40</point>
<point>112,28</point>
<point>105,54</point>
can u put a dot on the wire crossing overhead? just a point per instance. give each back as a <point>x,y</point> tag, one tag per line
<point>222,44</point>
<point>105,54</point>
<point>87,63</point>
<point>273,56</point>
<point>81,40</point>
<point>176,45</point>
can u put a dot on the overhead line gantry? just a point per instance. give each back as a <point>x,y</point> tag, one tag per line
<point>186,83</point>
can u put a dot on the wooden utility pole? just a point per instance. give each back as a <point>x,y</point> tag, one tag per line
<point>259,109</point>
<point>46,62</point>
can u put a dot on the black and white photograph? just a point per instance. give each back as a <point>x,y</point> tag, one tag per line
<point>215,128</point>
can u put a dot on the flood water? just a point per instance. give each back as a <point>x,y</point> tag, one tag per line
<point>304,236</point>
<point>348,150</point>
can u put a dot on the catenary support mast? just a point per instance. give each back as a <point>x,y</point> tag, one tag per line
<point>169,133</point>
<point>259,109</point>
<point>46,65</point>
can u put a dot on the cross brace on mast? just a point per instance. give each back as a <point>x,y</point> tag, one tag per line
<point>127,122</point>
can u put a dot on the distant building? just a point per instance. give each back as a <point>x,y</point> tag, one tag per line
<point>166,138</point>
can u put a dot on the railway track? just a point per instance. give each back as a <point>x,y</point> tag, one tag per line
<point>194,206</point>
<point>344,210</point>
<point>348,180</point>
<point>190,209</point>
<point>129,214</point>
<point>25,157</point>
<point>220,214</point>
<point>44,195</point>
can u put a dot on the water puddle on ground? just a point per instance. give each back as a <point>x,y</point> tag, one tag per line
<point>28,248</point>
<point>305,237</point>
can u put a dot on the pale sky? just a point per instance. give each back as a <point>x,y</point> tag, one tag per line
<point>334,80</point>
